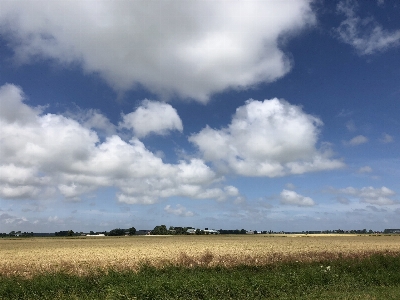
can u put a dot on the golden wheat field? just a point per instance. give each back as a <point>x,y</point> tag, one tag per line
<point>26,257</point>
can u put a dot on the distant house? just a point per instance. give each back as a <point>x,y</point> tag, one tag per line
<point>191,231</point>
<point>250,232</point>
<point>211,231</point>
<point>96,235</point>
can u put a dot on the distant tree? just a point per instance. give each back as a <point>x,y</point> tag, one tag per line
<point>181,230</point>
<point>117,232</point>
<point>91,232</point>
<point>160,230</point>
<point>132,231</point>
<point>200,232</point>
<point>243,231</point>
<point>70,233</point>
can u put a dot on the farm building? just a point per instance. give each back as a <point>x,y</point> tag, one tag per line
<point>211,231</point>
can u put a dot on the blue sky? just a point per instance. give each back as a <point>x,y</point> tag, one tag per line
<point>263,115</point>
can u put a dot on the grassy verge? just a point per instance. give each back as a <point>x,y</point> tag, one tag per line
<point>374,277</point>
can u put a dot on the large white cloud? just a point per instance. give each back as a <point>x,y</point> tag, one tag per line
<point>152,117</point>
<point>270,138</point>
<point>44,155</point>
<point>185,48</point>
<point>366,35</point>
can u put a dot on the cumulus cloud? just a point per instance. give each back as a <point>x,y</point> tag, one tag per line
<point>46,154</point>
<point>180,211</point>
<point>357,140</point>
<point>93,119</point>
<point>267,138</point>
<point>366,35</point>
<point>293,198</point>
<point>370,195</point>
<point>152,117</point>
<point>191,49</point>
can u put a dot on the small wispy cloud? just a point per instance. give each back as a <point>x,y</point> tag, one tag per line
<point>178,211</point>
<point>386,138</point>
<point>290,186</point>
<point>351,126</point>
<point>355,141</point>
<point>365,169</point>
<point>366,35</point>
<point>342,200</point>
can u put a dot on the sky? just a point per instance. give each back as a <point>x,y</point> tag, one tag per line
<point>262,115</point>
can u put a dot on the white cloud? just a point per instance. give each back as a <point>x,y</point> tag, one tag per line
<point>386,138</point>
<point>232,191</point>
<point>351,126</point>
<point>381,2</point>
<point>93,119</point>
<point>365,169</point>
<point>178,211</point>
<point>270,138</point>
<point>187,48</point>
<point>11,111</point>
<point>43,154</point>
<point>9,219</point>
<point>152,117</point>
<point>357,140</point>
<point>375,196</point>
<point>292,198</point>
<point>365,35</point>
<point>343,200</point>
<point>290,186</point>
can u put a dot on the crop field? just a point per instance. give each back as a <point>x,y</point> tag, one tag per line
<point>27,257</point>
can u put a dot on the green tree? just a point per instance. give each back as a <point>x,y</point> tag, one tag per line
<point>132,231</point>
<point>70,233</point>
<point>160,230</point>
<point>117,232</point>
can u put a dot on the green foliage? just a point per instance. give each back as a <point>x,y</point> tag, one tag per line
<point>132,231</point>
<point>376,277</point>
<point>117,232</point>
<point>160,230</point>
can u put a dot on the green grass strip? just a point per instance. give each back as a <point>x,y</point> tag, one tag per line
<point>376,277</point>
